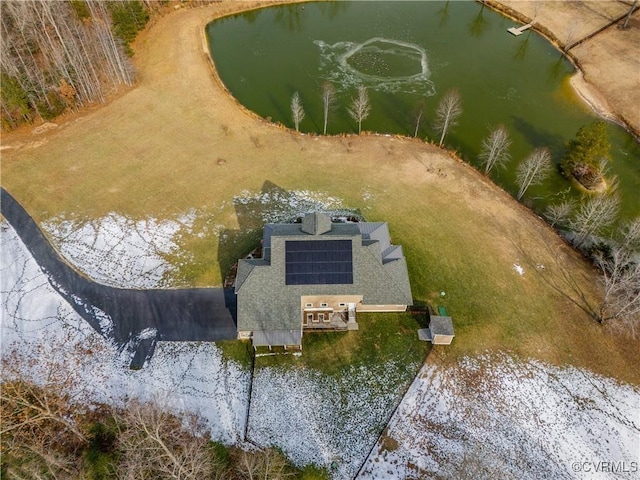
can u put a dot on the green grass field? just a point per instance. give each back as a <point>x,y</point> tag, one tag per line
<point>383,337</point>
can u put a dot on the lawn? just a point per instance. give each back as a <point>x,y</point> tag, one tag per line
<point>177,145</point>
<point>381,338</point>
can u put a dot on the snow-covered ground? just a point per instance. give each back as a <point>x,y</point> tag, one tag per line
<point>48,341</point>
<point>278,206</point>
<point>318,419</point>
<point>116,251</point>
<point>497,417</point>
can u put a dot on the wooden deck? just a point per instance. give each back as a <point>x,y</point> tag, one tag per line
<point>336,321</point>
<point>519,30</point>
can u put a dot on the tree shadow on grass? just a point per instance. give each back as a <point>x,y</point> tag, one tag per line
<point>556,273</point>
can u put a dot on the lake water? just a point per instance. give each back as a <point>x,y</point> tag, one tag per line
<point>408,54</point>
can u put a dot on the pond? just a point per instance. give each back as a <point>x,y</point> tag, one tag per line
<point>408,55</point>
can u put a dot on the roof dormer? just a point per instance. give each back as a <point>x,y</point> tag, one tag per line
<point>316,223</point>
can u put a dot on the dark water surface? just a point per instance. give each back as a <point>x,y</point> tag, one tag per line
<point>409,54</point>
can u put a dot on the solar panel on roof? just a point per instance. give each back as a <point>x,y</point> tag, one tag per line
<point>318,262</point>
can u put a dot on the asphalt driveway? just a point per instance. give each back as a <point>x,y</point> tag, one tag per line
<point>134,319</point>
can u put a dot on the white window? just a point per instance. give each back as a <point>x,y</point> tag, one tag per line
<point>308,305</point>
<point>324,305</point>
<point>342,304</point>
<point>315,319</point>
<point>326,318</point>
<point>308,318</point>
<point>321,317</point>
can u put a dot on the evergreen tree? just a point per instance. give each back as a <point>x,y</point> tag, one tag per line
<point>128,19</point>
<point>587,154</point>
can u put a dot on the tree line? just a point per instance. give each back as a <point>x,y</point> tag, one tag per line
<point>588,221</point>
<point>62,55</point>
<point>50,431</point>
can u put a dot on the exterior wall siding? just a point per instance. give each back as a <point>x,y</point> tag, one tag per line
<point>381,308</point>
<point>442,339</point>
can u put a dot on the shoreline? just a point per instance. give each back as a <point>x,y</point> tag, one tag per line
<point>587,91</point>
<point>590,95</point>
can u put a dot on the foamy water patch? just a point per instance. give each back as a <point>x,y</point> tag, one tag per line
<point>381,64</point>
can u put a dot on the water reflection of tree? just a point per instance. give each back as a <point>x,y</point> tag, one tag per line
<point>290,17</point>
<point>444,14</point>
<point>536,136</point>
<point>521,51</point>
<point>332,9</point>
<point>479,24</point>
<point>556,69</point>
<point>250,16</point>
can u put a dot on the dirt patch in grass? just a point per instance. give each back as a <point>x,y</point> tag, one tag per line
<point>155,150</point>
<point>388,443</point>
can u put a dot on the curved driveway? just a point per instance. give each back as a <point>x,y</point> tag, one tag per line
<point>134,319</point>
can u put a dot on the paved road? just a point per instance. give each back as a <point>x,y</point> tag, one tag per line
<point>134,319</point>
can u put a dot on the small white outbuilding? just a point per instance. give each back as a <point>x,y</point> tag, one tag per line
<point>440,331</point>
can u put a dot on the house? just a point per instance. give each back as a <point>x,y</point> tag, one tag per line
<point>317,275</point>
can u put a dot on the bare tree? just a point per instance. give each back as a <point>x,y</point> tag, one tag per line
<point>418,119</point>
<point>328,103</point>
<point>630,233</point>
<point>593,215</point>
<point>572,33</point>
<point>559,213</point>
<point>621,288</point>
<point>360,107</point>
<point>296,110</point>
<point>447,113</point>
<point>536,10</point>
<point>495,149</point>
<point>416,116</point>
<point>57,58</point>
<point>533,169</point>
<point>157,444</point>
<point>52,406</point>
<point>263,464</point>
<point>39,431</point>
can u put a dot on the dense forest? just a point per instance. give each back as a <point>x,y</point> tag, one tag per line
<point>61,55</point>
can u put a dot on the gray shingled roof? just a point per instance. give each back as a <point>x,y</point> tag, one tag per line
<point>265,303</point>
<point>441,325</point>
<point>265,338</point>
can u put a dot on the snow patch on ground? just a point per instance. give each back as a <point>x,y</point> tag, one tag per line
<point>497,417</point>
<point>117,251</point>
<point>125,253</point>
<point>45,341</point>
<point>278,206</point>
<point>319,419</point>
